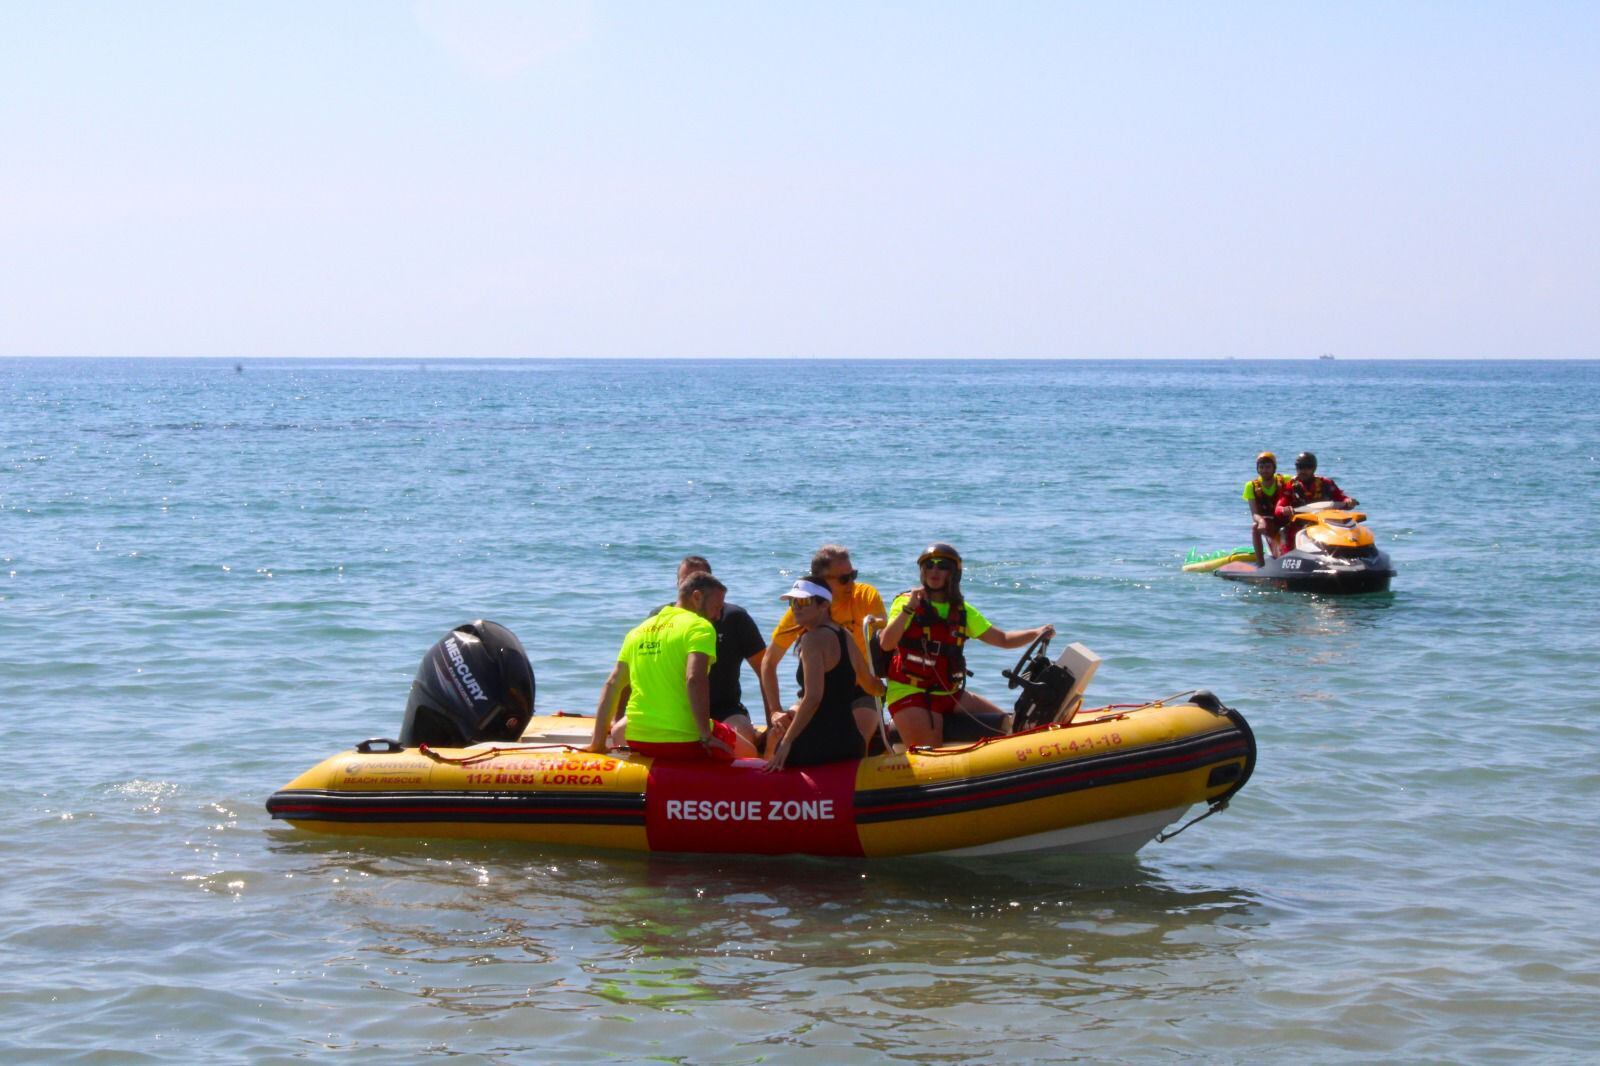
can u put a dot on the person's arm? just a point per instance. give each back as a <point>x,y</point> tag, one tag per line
<point>890,637</point>
<point>1019,639</point>
<point>767,674</point>
<point>1283,507</point>
<point>616,684</point>
<point>864,675</point>
<point>787,632</point>
<point>812,669</point>
<point>697,676</point>
<point>875,605</point>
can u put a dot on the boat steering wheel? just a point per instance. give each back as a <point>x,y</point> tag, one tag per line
<point>1013,676</point>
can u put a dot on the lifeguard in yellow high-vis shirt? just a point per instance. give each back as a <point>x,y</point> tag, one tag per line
<point>665,662</point>
<point>928,627</point>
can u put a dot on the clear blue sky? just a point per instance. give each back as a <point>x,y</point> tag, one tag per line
<point>759,179</point>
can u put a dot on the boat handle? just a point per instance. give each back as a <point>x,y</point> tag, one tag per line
<point>390,747</point>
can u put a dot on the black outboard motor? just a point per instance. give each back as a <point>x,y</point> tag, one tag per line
<point>474,685</point>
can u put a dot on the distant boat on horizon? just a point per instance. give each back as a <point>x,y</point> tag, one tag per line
<point>1325,355</point>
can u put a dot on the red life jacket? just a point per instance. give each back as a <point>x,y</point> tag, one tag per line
<point>1321,489</point>
<point>929,654</point>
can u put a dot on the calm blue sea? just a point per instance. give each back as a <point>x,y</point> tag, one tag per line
<point>211,578</point>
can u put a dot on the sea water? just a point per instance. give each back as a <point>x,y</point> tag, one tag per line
<point>213,576</point>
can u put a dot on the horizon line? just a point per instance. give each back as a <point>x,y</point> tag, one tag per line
<point>1328,357</point>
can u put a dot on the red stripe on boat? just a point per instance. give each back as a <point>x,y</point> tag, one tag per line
<point>1045,784</point>
<point>470,814</point>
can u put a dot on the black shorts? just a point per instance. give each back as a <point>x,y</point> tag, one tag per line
<point>722,714</point>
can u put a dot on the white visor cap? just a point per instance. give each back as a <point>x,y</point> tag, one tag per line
<point>805,588</point>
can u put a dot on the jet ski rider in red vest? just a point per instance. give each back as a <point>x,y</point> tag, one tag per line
<point>1307,487</point>
<point>927,629</point>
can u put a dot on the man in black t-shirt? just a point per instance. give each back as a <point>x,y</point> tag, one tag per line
<point>739,641</point>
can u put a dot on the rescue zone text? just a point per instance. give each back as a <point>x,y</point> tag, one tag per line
<point>753,810</point>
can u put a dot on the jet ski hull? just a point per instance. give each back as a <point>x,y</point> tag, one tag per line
<point>1301,571</point>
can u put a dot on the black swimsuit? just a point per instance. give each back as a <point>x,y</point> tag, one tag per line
<point>831,734</point>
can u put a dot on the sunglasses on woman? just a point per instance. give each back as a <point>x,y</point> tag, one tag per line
<point>808,601</point>
<point>846,577</point>
<point>938,564</point>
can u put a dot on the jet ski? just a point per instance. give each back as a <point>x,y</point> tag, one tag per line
<point>1332,552</point>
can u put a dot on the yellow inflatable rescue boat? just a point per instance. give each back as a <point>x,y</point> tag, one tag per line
<point>1107,781</point>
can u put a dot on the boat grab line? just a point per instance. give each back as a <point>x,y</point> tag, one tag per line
<point>476,757</point>
<point>1162,838</point>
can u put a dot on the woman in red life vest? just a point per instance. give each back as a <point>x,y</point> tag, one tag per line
<point>1271,513</point>
<point>928,627</point>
